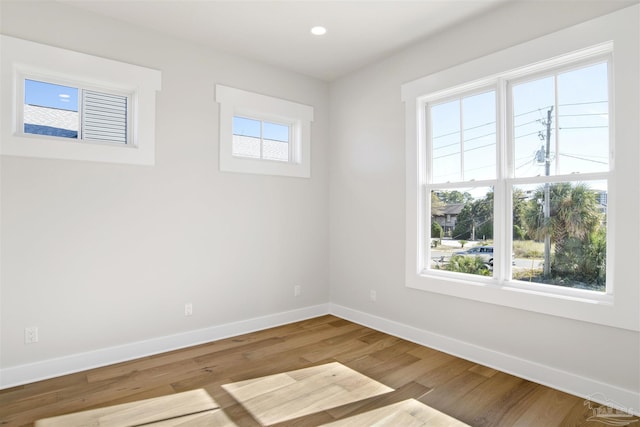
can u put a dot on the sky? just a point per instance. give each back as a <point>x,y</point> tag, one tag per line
<point>579,128</point>
<point>250,127</point>
<point>50,95</point>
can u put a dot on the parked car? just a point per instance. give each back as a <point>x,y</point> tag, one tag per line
<point>484,252</point>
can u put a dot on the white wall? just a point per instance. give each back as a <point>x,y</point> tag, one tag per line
<point>100,255</point>
<point>367,212</point>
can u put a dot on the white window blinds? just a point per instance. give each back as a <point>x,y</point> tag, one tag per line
<point>104,117</point>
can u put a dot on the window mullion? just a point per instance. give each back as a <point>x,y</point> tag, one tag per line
<point>262,139</point>
<point>80,114</point>
<point>556,125</point>
<point>503,218</point>
<point>461,139</point>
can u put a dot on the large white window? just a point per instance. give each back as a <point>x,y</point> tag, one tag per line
<point>69,105</point>
<point>552,181</point>
<point>263,135</point>
<point>520,167</point>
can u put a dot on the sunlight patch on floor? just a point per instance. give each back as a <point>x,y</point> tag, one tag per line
<point>408,413</point>
<point>172,410</point>
<point>281,397</point>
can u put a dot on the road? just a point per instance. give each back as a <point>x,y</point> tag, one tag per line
<point>520,263</point>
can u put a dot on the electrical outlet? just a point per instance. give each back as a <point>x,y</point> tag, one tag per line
<point>188,309</point>
<point>373,296</point>
<point>297,290</point>
<point>31,335</point>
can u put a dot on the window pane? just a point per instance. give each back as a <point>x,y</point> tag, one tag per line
<point>276,141</point>
<point>246,137</point>
<point>445,139</point>
<point>246,127</point>
<point>275,150</point>
<point>261,140</point>
<point>583,120</point>
<point>276,132</point>
<point>532,102</point>
<point>50,109</point>
<point>580,118</point>
<point>460,230</point>
<point>576,229</point>
<point>468,153</point>
<point>479,119</point>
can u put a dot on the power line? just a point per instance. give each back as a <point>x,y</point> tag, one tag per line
<point>583,114</point>
<point>466,140</point>
<point>532,111</point>
<point>584,159</point>
<point>583,103</point>
<point>586,155</point>
<point>583,127</point>
<point>527,134</point>
<point>528,162</point>
<point>480,137</point>
<point>479,147</point>
<point>465,129</point>
<point>537,120</point>
<point>465,151</point>
<point>527,123</point>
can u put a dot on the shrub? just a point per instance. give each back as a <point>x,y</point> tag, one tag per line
<point>467,264</point>
<point>436,230</point>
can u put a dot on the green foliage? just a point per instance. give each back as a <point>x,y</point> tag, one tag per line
<point>436,230</point>
<point>519,205</point>
<point>475,221</point>
<point>582,260</point>
<point>518,233</point>
<point>528,249</point>
<point>448,197</point>
<point>574,225</point>
<point>467,264</point>
<point>462,243</point>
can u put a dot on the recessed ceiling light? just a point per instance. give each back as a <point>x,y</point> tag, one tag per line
<point>318,31</point>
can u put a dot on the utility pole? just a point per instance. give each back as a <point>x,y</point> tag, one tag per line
<point>547,201</point>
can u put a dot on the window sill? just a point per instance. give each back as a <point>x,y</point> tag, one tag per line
<point>67,149</point>
<point>577,304</point>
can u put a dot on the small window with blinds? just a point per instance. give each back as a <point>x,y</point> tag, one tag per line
<point>73,112</point>
<point>104,117</point>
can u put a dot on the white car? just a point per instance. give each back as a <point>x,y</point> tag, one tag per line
<point>484,252</point>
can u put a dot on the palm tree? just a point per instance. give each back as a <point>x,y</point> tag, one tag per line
<point>574,217</point>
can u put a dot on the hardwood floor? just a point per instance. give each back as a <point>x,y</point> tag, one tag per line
<point>470,393</point>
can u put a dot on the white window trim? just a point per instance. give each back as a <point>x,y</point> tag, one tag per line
<point>618,309</point>
<point>22,58</point>
<point>261,107</point>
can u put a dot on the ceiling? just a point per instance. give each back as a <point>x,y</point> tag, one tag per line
<point>278,32</point>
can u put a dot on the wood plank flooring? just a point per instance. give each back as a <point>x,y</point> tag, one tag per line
<point>406,375</point>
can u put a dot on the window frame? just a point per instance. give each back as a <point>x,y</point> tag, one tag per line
<point>22,76</point>
<point>42,62</point>
<point>505,180</point>
<point>236,102</point>
<point>549,52</point>
<point>292,147</point>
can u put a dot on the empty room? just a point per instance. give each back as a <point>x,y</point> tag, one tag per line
<point>319,213</point>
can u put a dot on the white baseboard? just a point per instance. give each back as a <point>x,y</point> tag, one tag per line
<point>23,374</point>
<point>606,394</point>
